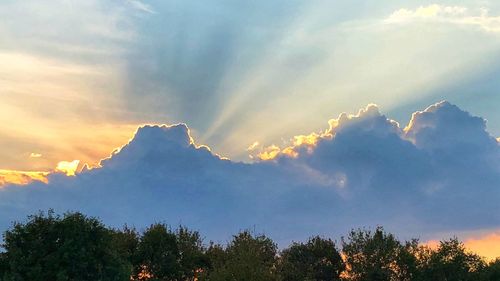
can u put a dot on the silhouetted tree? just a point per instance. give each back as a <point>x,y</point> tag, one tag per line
<point>492,271</point>
<point>378,256</point>
<point>316,260</point>
<point>126,242</point>
<point>157,254</point>
<point>246,258</point>
<point>192,258</point>
<point>79,248</point>
<point>74,247</point>
<point>216,260</point>
<point>3,266</point>
<point>451,262</point>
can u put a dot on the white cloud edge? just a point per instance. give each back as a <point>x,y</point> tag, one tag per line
<point>458,15</point>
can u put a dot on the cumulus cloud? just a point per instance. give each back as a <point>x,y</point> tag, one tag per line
<point>440,173</point>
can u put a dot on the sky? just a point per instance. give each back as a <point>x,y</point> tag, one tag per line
<point>273,90</point>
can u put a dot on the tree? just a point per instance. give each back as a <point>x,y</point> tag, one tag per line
<point>316,260</point>
<point>246,258</point>
<point>157,254</point>
<point>192,258</point>
<point>492,271</point>
<point>125,241</point>
<point>451,262</point>
<point>72,247</point>
<point>378,256</point>
<point>3,266</point>
<point>216,259</point>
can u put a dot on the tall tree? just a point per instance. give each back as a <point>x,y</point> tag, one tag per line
<point>157,254</point>
<point>451,262</point>
<point>492,271</point>
<point>246,258</point>
<point>3,266</point>
<point>192,258</point>
<point>216,259</point>
<point>378,256</point>
<point>72,247</point>
<point>125,242</point>
<point>316,260</point>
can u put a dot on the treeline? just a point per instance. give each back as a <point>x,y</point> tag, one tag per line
<point>49,247</point>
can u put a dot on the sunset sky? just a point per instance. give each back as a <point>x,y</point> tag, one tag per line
<point>339,94</point>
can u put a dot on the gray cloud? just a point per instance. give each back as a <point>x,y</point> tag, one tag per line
<point>439,174</point>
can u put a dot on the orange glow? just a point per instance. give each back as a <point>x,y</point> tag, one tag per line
<point>69,168</point>
<point>21,177</point>
<point>144,274</point>
<point>433,244</point>
<point>487,245</point>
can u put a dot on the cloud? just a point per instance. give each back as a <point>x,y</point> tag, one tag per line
<point>21,177</point>
<point>141,6</point>
<point>109,66</point>
<point>438,174</point>
<point>68,167</point>
<point>447,14</point>
<point>9,177</point>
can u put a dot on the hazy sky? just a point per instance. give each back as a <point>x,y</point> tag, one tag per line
<point>77,77</point>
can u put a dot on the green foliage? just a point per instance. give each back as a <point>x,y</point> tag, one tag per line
<point>162,254</point>
<point>216,257</point>
<point>246,258</point>
<point>316,260</point>
<point>192,257</point>
<point>4,265</point>
<point>451,262</point>
<point>378,256</point>
<point>72,247</point>
<point>125,242</point>
<point>492,271</point>
<point>79,248</point>
<point>157,254</point>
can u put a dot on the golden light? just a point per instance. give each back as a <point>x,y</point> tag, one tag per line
<point>69,168</point>
<point>21,177</point>
<point>487,246</point>
<point>310,139</point>
<point>269,153</point>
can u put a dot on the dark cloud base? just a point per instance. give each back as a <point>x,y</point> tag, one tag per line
<point>439,174</point>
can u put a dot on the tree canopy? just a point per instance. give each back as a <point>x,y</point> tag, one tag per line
<point>75,247</point>
<point>69,247</point>
<point>316,260</point>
